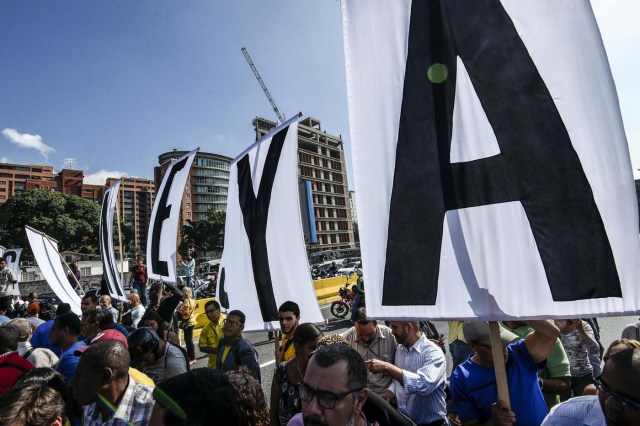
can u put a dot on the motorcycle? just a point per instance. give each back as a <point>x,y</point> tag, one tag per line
<point>340,308</point>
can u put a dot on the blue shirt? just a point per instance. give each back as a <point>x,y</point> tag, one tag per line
<point>474,388</point>
<point>69,361</point>
<point>40,338</point>
<point>3,319</point>
<point>424,370</point>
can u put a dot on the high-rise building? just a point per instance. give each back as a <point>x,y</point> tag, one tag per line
<point>207,186</point>
<point>321,161</point>
<point>135,201</point>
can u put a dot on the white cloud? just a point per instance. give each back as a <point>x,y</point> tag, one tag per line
<point>4,160</point>
<point>25,140</point>
<point>100,177</point>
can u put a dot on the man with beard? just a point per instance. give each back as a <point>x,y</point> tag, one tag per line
<point>334,389</point>
<point>618,399</point>
<point>418,375</point>
<point>289,317</point>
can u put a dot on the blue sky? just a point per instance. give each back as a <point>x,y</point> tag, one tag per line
<point>109,85</point>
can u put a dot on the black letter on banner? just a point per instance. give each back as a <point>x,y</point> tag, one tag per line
<point>161,267</point>
<point>10,256</point>
<point>223,296</point>
<point>537,164</point>
<point>255,211</point>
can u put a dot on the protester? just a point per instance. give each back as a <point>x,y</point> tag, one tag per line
<point>53,379</point>
<point>285,386</point>
<point>458,348</point>
<point>617,401</point>
<point>33,309</point>
<point>373,341</point>
<point>189,269</point>
<point>419,375</point>
<point>96,320</point>
<point>334,389</point>
<point>211,334</point>
<point>153,320</point>
<point>8,285</point>
<point>135,308</point>
<point>39,357</point>
<point>289,318</point>
<point>40,337</point>
<point>205,396</point>
<point>156,358</point>
<point>234,350</point>
<point>3,317</point>
<point>620,345</point>
<point>138,280</point>
<point>105,304</point>
<point>359,294</point>
<point>165,303</point>
<point>12,365</point>
<point>555,377</point>
<point>473,383</point>
<point>631,331</point>
<point>186,312</point>
<point>64,334</point>
<point>34,404</point>
<point>595,358</point>
<point>88,302</point>
<point>106,390</point>
<point>578,340</point>
<point>73,276</point>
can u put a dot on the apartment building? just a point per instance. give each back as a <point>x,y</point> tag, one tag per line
<point>321,161</point>
<point>207,186</point>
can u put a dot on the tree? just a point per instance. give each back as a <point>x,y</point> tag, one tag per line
<point>71,220</point>
<point>203,235</point>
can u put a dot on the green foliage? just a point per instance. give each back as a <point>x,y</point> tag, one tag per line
<point>71,220</point>
<point>204,235</point>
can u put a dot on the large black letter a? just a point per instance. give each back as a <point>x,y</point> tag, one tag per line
<point>537,164</point>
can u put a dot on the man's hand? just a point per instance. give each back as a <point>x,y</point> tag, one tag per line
<point>501,415</point>
<point>388,396</point>
<point>377,366</point>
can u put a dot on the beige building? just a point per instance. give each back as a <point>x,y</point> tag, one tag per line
<point>321,161</point>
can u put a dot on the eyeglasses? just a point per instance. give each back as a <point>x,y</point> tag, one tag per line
<point>326,399</point>
<point>230,323</point>
<point>622,400</point>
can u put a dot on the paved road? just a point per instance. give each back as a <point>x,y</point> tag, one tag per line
<point>610,329</point>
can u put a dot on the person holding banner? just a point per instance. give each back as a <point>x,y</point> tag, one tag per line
<point>8,282</point>
<point>473,383</point>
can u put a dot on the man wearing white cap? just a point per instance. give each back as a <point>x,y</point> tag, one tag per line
<point>473,383</point>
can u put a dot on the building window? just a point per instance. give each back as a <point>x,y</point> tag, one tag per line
<point>188,205</point>
<point>86,271</point>
<point>188,215</point>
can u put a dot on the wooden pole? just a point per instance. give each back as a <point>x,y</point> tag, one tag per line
<point>498,363</point>
<point>120,245</point>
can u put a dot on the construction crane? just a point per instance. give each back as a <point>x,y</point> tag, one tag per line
<point>281,116</point>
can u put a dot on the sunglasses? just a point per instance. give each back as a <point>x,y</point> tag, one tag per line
<point>620,399</point>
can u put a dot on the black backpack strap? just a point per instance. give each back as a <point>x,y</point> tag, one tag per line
<point>28,353</point>
<point>12,365</point>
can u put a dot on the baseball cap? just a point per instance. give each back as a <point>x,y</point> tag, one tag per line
<point>33,308</point>
<point>478,332</point>
<point>109,334</point>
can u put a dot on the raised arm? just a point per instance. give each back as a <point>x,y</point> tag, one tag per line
<point>540,342</point>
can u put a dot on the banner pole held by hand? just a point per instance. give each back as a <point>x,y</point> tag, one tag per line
<point>498,364</point>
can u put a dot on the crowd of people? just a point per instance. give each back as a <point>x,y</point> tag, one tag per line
<point>106,368</point>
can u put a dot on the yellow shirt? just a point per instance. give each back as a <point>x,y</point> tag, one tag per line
<point>455,331</point>
<point>140,377</point>
<point>211,335</point>
<point>225,353</point>
<point>290,353</point>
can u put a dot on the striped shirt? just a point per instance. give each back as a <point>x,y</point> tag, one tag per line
<point>583,410</point>
<point>134,408</point>
<point>424,370</point>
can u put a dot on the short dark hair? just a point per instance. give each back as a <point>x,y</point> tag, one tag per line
<point>306,332</point>
<point>153,315</point>
<point>2,259</point>
<point>361,316</point>
<point>9,338</point>
<point>238,314</point>
<point>102,318</point>
<point>91,296</point>
<point>63,308</point>
<point>111,354</point>
<point>31,404</point>
<point>213,303</point>
<point>290,306</point>
<point>70,321</point>
<point>326,356</point>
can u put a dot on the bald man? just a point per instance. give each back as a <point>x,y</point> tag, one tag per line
<point>105,304</point>
<point>135,308</point>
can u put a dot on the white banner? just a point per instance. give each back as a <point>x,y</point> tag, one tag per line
<point>264,262</point>
<point>107,253</point>
<point>45,251</point>
<point>163,229</point>
<point>492,172</point>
